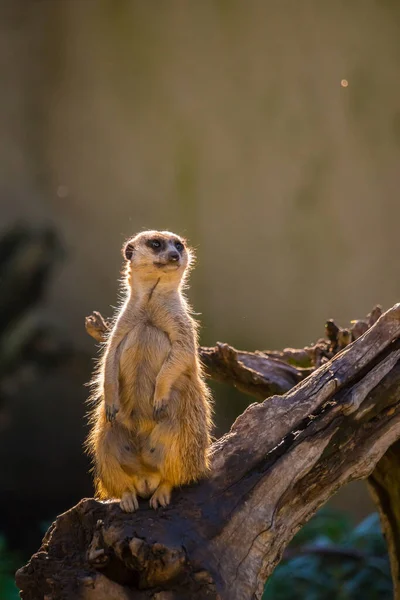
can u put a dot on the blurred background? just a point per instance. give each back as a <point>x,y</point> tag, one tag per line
<point>268,133</point>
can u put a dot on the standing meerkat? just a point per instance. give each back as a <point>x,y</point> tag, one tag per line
<point>151,425</point>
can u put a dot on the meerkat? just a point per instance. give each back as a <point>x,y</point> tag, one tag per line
<point>152,420</point>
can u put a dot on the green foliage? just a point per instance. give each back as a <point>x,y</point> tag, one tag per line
<point>329,559</point>
<point>9,563</point>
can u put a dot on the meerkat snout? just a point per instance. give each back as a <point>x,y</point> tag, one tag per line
<point>173,256</point>
<point>169,258</point>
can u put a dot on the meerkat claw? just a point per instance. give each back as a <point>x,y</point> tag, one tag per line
<point>159,411</point>
<point>162,496</point>
<point>111,413</point>
<point>129,502</point>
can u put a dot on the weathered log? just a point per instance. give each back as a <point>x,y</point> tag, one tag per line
<point>282,459</point>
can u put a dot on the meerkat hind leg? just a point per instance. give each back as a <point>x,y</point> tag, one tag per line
<point>162,495</point>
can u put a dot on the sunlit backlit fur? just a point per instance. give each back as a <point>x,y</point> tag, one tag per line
<point>152,418</point>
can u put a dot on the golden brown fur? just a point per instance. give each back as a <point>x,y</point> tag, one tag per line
<point>151,426</point>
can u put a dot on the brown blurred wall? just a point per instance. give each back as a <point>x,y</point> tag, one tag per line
<point>224,121</point>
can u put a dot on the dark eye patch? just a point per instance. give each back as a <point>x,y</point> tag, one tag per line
<point>179,246</point>
<point>156,244</point>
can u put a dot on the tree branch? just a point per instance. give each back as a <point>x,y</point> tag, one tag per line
<point>253,373</point>
<point>263,373</point>
<point>282,459</point>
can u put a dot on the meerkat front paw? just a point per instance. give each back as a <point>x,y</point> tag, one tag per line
<point>129,502</point>
<point>96,326</point>
<point>111,413</point>
<point>162,495</point>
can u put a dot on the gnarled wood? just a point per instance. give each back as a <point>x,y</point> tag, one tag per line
<point>282,459</point>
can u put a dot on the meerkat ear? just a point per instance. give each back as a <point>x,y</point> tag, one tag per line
<point>127,251</point>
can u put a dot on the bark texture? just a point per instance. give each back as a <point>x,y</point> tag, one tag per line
<point>282,459</point>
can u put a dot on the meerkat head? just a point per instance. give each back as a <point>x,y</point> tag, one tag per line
<point>157,254</point>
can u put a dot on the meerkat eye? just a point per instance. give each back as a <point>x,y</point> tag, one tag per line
<point>179,246</point>
<point>155,243</point>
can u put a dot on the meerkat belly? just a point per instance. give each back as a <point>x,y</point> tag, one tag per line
<point>143,353</point>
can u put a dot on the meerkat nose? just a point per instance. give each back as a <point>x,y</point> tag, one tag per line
<point>173,256</point>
